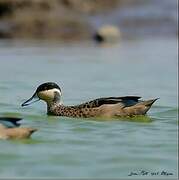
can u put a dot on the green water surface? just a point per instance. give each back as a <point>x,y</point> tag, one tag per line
<point>80,148</point>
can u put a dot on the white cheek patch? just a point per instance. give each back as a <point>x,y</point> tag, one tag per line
<point>57,90</point>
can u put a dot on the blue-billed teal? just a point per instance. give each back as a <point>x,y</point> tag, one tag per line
<point>108,107</point>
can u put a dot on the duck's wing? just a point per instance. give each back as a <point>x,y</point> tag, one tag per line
<point>10,122</point>
<point>124,101</point>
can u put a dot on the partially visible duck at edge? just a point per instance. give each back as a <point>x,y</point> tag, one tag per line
<point>9,129</point>
<point>108,107</point>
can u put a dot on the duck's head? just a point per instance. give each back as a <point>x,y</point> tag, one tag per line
<point>49,92</point>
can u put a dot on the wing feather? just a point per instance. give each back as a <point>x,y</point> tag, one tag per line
<point>125,100</point>
<point>10,121</point>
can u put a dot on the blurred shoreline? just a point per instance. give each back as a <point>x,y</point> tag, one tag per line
<point>77,20</point>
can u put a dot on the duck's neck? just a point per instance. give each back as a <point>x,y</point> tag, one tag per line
<point>51,105</point>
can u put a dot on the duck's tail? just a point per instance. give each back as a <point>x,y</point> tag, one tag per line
<point>32,130</point>
<point>148,103</point>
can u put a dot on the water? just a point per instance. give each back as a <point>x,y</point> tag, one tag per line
<point>81,148</point>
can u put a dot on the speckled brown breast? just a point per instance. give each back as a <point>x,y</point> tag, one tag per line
<point>71,111</point>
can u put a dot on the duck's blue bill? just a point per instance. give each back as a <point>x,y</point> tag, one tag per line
<point>33,99</point>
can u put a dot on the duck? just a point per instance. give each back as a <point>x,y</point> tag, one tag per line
<point>105,107</point>
<point>9,129</point>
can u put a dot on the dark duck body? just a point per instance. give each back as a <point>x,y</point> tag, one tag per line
<point>108,107</point>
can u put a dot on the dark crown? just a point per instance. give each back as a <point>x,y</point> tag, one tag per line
<point>47,86</point>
